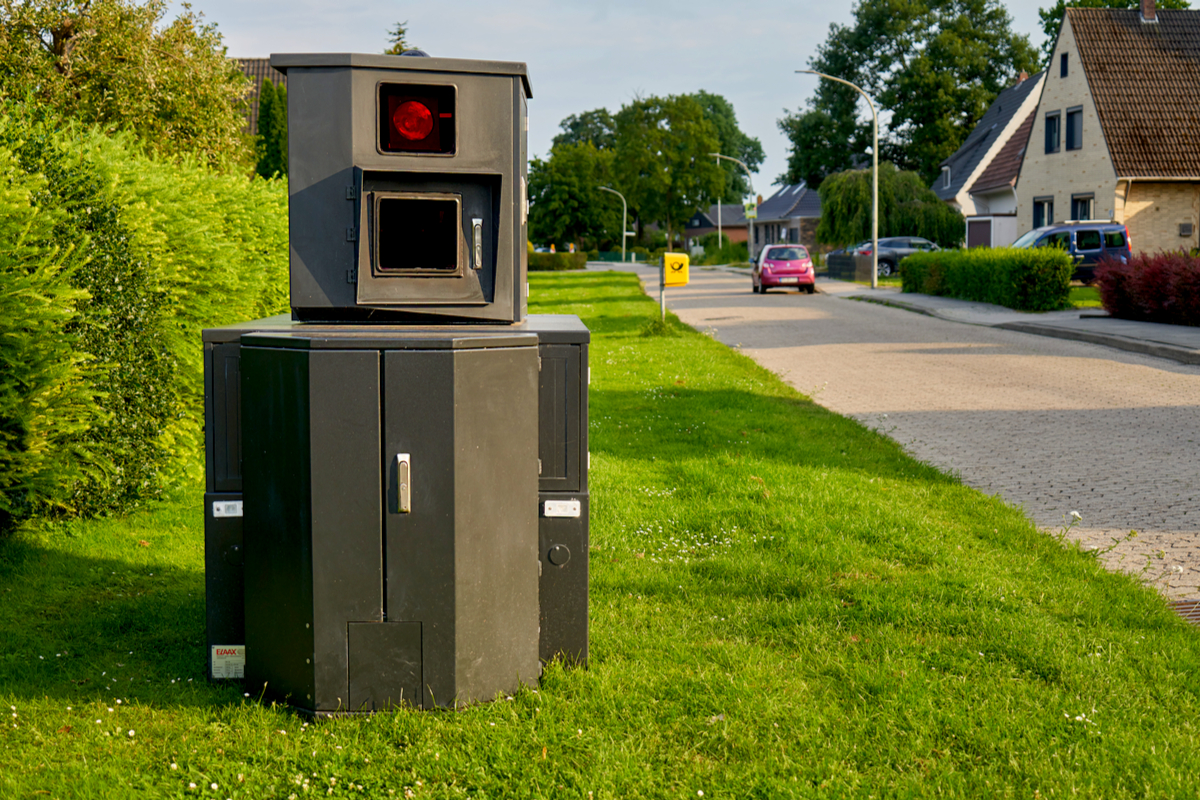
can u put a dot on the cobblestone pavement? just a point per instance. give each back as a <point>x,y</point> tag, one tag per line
<point>1051,425</point>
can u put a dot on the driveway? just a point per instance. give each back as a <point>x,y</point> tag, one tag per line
<point>1048,424</point>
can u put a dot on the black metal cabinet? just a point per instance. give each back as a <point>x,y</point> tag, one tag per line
<point>561,435</point>
<point>349,557</point>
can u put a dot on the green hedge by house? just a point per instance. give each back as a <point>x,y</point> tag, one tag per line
<point>555,262</point>
<point>112,262</point>
<point>1027,280</point>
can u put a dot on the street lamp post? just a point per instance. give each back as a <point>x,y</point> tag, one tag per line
<point>874,173</point>
<point>624,214</point>
<point>750,222</point>
<point>720,241</point>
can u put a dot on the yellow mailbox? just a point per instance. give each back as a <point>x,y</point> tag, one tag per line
<point>675,269</point>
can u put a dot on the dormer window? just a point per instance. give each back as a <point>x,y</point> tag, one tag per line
<point>1062,66</point>
<point>945,177</point>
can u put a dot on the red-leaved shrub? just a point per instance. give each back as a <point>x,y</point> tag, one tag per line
<point>1163,287</point>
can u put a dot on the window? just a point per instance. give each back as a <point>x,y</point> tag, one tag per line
<point>1081,206</point>
<point>1062,66</point>
<point>1043,211</point>
<point>945,177</point>
<point>1053,121</point>
<point>1061,240</point>
<point>1087,240</point>
<point>1026,239</point>
<point>1075,128</point>
<point>1114,240</point>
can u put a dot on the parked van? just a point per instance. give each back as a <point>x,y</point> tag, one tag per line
<point>1086,241</point>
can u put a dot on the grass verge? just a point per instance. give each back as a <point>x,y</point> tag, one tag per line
<point>1085,297</point>
<point>783,605</point>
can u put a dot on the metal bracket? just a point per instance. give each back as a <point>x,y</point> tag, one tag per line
<point>351,193</point>
<point>351,276</point>
<point>351,234</point>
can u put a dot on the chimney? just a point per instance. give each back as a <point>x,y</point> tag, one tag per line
<point>1149,12</point>
<point>1024,76</point>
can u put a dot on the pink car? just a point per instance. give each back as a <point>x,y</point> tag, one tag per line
<point>781,266</point>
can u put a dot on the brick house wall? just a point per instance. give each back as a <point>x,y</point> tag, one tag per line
<point>1066,172</point>
<point>1155,210</point>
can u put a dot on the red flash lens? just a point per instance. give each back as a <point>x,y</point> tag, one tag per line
<point>413,120</point>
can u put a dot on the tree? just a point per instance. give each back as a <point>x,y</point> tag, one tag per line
<point>821,145</point>
<point>933,68</point>
<point>733,142</point>
<point>398,36</point>
<point>594,126</point>
<point>1052,17</point>
<point>907,207</point>
<point>663,163</point>
<point>272,144</point>
<point>109,62</point>
<point>564,203</point>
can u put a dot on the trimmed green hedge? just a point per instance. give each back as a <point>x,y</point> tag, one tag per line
<point>1037,279</point>
<point>112,261</point>
<point>556,262</point>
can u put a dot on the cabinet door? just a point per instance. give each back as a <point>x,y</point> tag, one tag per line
<point>560,418</point>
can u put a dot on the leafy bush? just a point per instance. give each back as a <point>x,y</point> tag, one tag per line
<point>1038,279</point>
<point>555,262</point>
<point>725,252</point>
<point>1163,287</point>
<point>46,400</point>
<point>158,250</point>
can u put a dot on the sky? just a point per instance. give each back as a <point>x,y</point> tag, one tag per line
<point>585,55</point>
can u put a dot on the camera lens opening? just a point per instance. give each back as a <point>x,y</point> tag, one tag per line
<point>417,234</point>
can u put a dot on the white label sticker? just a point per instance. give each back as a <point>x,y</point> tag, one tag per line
<point>229,661</point>
<point>562,508</point>
<point>227,508</point>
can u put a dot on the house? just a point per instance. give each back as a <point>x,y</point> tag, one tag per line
<point>732,218</point>
<point>790,215</point>
<point>258,70</point>
<point>991,214</point>
<point>994,193</point>
<point>1116,134</point>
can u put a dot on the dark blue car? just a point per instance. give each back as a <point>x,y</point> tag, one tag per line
<point>1087,242</point>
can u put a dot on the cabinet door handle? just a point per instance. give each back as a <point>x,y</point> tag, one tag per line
<point>477,231</point>
<point>403,483</point>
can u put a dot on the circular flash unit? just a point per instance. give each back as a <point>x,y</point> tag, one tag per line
<point>413,120</point>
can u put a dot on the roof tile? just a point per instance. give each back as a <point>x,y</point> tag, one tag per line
<point>1006,166</point>
<point>1145,80</point>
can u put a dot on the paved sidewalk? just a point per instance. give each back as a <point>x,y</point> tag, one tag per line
<point>1176,342</point>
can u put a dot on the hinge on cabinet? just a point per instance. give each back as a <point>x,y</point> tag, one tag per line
<point>351,275</point>
<point>539,363</point>
<point>351,194</point>
<point>539,466</point>
<point>351,234</point>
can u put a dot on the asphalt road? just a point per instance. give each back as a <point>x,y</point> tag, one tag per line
<point>1051,425</point>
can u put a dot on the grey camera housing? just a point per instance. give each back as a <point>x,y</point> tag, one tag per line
<point>350,197</point>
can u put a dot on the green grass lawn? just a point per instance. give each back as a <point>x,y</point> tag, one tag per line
<point>783,605</point>
<point>1085,297</point>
